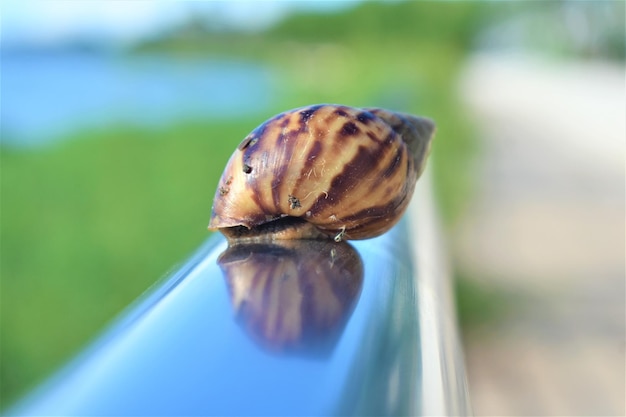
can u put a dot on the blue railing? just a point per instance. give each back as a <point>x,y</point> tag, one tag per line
<point>319,329</point>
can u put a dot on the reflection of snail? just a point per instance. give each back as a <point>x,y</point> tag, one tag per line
<point>326,171</point>
<point>293,296</point>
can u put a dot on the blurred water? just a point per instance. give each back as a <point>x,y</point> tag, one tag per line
<point>45,95</point>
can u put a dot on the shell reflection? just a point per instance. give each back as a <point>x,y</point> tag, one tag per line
<point>293,296</point>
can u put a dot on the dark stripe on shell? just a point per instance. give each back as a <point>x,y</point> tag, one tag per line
<point>255,196</point>
<point>245,143</point>
<point>379,215</point>
<point>346,180</point>
<point>306,114</point>
<point>311,157</point>
<point>286,142</point>
<point>371,214</point>
<point>276,189</point>
<point>349,129</point>
<point>390,138</point>
<point>373,136</point>
<point>341,111</point>
<point>393,165</point>
<point>365,117</point>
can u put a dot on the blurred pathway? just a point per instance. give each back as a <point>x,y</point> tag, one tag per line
<point>548,224</point>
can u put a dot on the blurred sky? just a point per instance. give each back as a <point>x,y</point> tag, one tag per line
<point>50,22</point>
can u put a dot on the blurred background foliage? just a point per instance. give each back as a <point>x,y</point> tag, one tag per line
<point>93,215</point>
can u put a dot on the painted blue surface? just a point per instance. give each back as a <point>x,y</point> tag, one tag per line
<point>182,352</point>
<point>45,95</point>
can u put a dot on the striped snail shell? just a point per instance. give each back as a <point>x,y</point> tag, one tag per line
<point>293,296</point>
<point>322,171</point>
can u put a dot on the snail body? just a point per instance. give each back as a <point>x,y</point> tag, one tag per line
<point>322,171</point>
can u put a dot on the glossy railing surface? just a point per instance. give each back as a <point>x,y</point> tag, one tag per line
<point>359,328</point>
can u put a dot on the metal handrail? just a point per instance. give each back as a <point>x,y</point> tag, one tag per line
<point>361,329</point>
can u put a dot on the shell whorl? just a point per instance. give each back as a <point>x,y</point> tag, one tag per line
<point>346,172</point>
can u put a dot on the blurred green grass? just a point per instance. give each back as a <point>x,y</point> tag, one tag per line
<point>91,221</point>
<point>88,224</point>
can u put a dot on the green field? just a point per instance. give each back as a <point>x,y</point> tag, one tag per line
<point>91,221</point>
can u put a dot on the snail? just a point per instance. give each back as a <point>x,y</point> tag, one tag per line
<point>322,171</point>
<point>293,296</point>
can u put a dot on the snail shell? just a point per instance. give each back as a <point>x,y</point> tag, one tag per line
<point>326,171</point>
